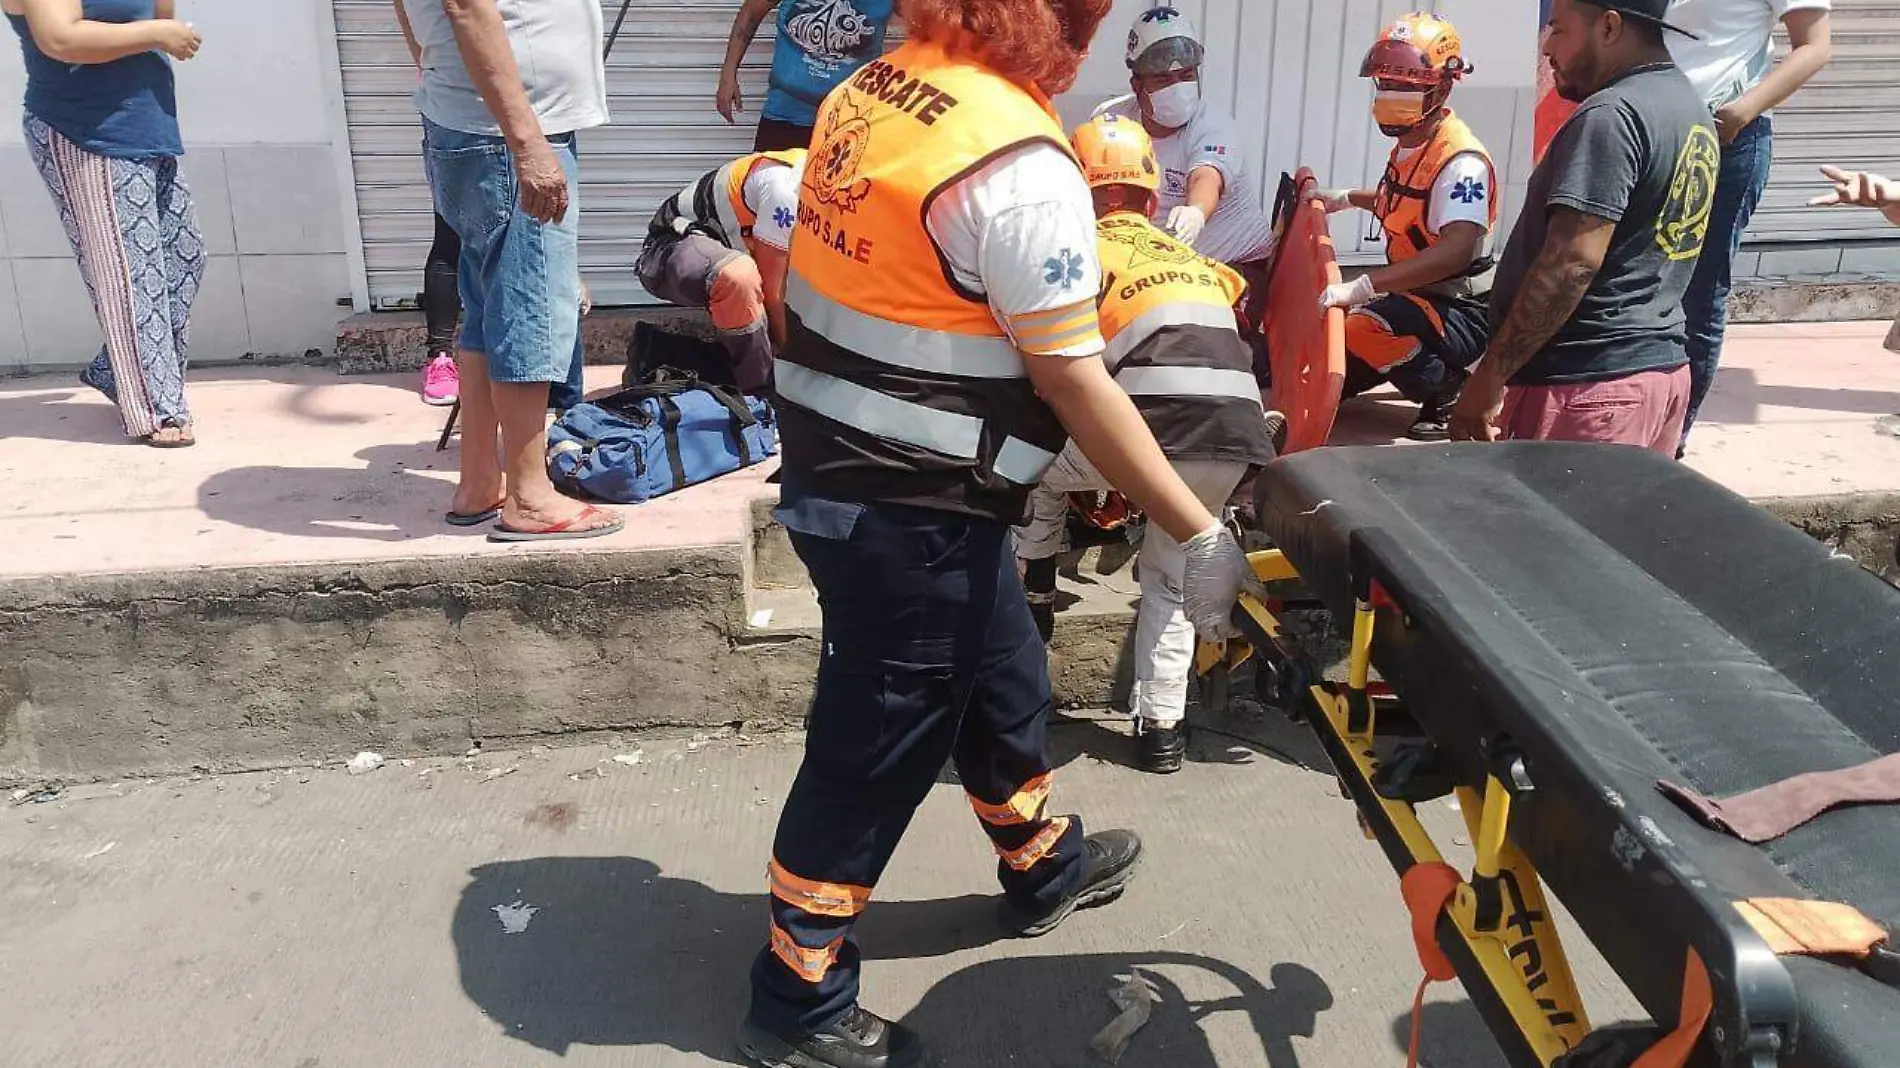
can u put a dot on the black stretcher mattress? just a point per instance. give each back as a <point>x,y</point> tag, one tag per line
<point>1622,620</point>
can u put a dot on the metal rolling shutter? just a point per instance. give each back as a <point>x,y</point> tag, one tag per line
<point>661,80</point>
<point>1849,115</point>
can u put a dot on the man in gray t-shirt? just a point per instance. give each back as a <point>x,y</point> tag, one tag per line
<point>557,49</point>
<point>1589,337</point>
<point>505,86</point>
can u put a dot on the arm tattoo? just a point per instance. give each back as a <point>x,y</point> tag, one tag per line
<point>746,27</point>
<point>1553,288</point>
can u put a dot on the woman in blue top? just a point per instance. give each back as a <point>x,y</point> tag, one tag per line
<point>820,44</point>
<point>101,122</point>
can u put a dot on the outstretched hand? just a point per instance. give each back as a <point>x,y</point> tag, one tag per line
<point>1859,189</point>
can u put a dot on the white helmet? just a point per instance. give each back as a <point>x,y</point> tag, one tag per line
<point>1163,40</point>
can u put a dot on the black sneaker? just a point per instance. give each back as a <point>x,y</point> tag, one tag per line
<point>1277,432</point>
<point>1434,416</point>
<point>1113,857</point>
<point>859,1040</point>
<point>1434,421</point>
<point>1159,750</point>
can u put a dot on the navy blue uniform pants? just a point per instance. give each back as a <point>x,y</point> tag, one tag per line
<point>929,651</point>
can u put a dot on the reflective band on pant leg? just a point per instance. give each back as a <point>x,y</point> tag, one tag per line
<point>1038,848</point>
<point>836,900</point>
<point>811,965</point>
<point>1025,807</point>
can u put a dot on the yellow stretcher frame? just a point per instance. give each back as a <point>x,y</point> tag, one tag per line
<point>1498,930</point>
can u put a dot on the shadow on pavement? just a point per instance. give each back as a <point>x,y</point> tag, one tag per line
<point>76,414</point>
<point>1451,1035</point>
<point>376,502</point>
<point>618,954</point>
<point>1238,737</point>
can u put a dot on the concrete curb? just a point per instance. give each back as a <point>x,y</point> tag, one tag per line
<point>145,674</point>
<point>1814,300</point>
<point>155,674</point>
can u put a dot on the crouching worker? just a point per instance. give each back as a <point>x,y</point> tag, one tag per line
<point>1173,346</point>
<point>1420,321</point>
<point>723,243</point>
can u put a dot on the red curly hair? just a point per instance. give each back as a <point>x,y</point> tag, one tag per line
<point>1034,42</point>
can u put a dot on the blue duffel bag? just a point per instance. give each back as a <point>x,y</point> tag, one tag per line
<point>658,438</point>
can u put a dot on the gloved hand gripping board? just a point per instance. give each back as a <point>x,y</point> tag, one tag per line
<point>1307,347</point>
<point>1559,629</point>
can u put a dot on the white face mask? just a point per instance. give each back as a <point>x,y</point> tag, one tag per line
<point>1174,106</point>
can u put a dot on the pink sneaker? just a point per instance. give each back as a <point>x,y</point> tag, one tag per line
<point>441,384</point>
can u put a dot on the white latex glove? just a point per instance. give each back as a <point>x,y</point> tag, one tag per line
<point>1348,295</point>
<point>1336,200</point>
<point>1186,223</point>
<point>1217,573</point>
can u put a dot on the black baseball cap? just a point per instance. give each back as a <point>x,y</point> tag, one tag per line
<point>1650,11</point>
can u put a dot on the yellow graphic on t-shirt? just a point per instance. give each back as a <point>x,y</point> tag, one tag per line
<point>1683,226</point>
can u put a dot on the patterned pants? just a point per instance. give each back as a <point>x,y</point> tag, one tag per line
<point>133,229</point>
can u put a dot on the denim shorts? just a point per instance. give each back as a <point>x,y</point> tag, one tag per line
<point>520,279</point>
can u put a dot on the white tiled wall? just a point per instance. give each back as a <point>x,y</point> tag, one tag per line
<point>273,229</point>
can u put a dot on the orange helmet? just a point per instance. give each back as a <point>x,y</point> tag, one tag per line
<point>1420,49</point>
<point>1117,151</point>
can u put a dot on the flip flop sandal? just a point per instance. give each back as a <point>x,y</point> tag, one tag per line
<point>184,442</point>
<point>474,519</point>
<point>560,531</point>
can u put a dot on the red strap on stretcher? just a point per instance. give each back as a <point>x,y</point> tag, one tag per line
<point>1698,1001</point>
<point>1428,889</point>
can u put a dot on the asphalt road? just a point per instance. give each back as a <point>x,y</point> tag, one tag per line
<point>316,919</point>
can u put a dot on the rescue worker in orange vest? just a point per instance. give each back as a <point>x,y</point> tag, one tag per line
<point>1173,346</point>
<point>1421,321</point>
<point>723,244</point>
<point>943,347</point>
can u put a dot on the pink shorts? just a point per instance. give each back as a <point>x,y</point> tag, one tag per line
<point>1645,410</point>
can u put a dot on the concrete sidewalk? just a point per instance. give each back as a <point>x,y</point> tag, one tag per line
<point>311,919</point>
<point>294,465</point>
<point>299,465</point>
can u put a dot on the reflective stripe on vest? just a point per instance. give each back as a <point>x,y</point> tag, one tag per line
<point>722,199</point>
<point>1210,382</point>
<point>1144,326</point>
<point>945,433</point>
<point>902,346</point>
<point>1021,462</point>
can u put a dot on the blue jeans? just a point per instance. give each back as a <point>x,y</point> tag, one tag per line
<point>519,278</point>
<point>565,395</point>
<point>1738,192</point>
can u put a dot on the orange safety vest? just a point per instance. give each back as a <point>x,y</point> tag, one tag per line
<point>1174,344</point>
<point>714,203</point>
<point>1404,198</point>
<point>897,383</point>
